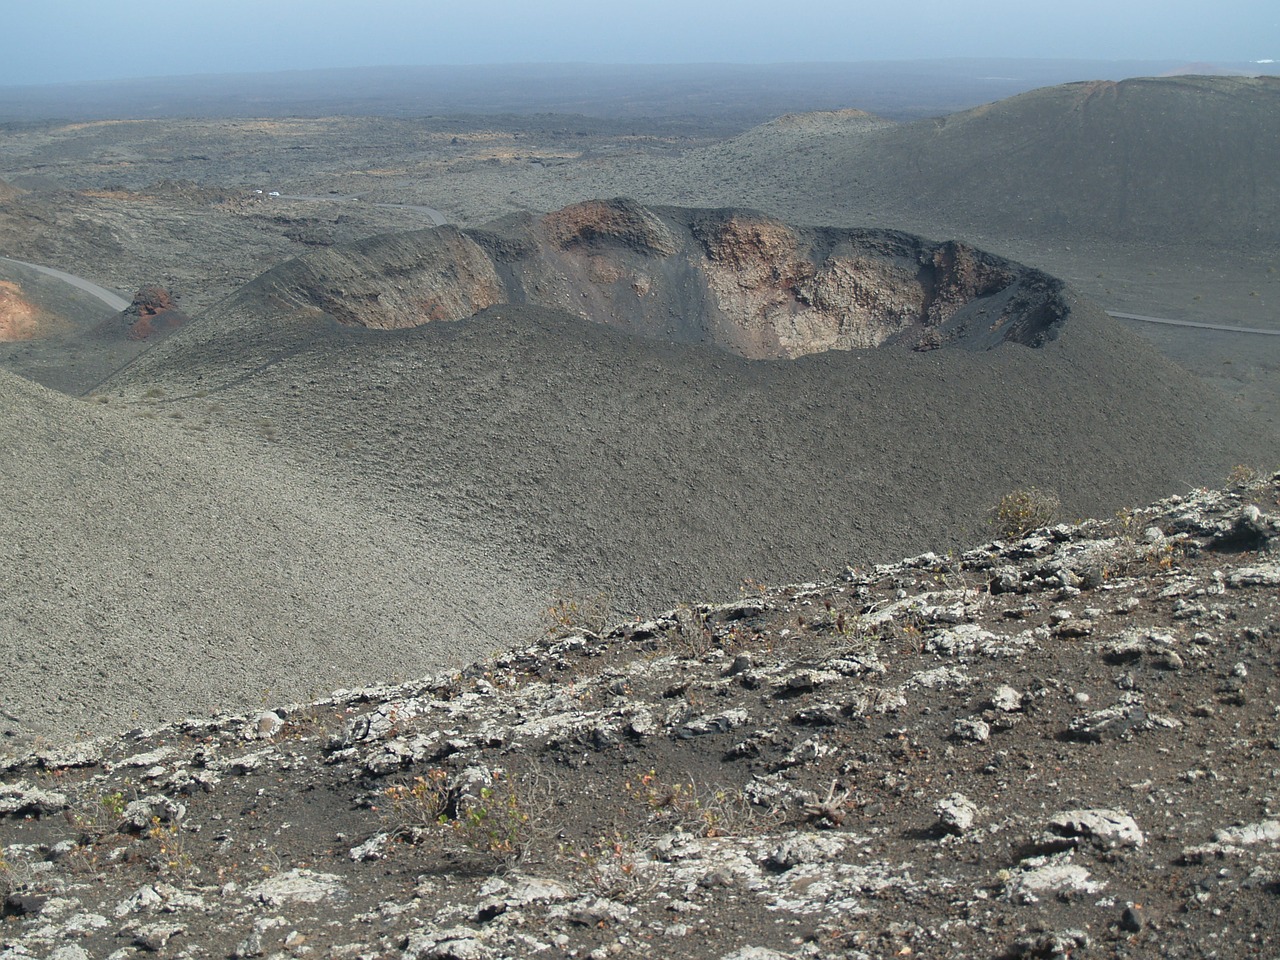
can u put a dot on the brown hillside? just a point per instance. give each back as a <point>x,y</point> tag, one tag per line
<point>153,569</point>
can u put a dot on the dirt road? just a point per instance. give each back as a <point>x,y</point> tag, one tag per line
<point>1193,323</point>
<point>114,301</point>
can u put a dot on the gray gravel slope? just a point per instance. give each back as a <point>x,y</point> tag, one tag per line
<point>150,573</point>
<point>656,472</point>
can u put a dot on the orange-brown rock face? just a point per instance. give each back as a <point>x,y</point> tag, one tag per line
<point>775,298</point>
<point>151,301</point>
<point>410,280</point>
<point>623,223</point>
<point>20,319</point>
<point>859,301</point>
<point>754,268</point>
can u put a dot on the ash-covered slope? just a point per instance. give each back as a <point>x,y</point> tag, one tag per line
<point>66,337</point>
<point>1150,159</point>
<point>52,296</point>
<point>151,570</point>
<point>75,358</point>
<point>650,470</point>
<point>1054,745</point>
<point>1154,160</point>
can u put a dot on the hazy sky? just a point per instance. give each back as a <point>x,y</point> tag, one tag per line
<point>67,40</point>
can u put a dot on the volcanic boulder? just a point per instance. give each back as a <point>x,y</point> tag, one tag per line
<point>154,310</point>
<point>152,315</point>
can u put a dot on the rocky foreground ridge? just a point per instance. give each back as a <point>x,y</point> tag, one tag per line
<point>1058,744</point>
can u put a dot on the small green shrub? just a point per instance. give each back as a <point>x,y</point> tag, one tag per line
<point>497,824</point>
<point>571,613</point>
<point>418,806</point>
<point>15,875</point>
<point>1020,511</point>
<point>684,805</point>
<point>616,867</point>
<point>97,816</point>
<point>1243,475</point>
<point>171,854</point>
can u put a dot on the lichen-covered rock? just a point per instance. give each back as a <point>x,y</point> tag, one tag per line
<point>1104,828</point>
<point>956,813</point>
<point>298,885</point>
<point>1053,876</point>
<point>585,792</point>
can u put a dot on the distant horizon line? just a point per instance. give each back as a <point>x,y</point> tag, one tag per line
<point>544,64</point>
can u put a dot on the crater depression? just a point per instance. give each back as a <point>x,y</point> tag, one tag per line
<point>737,280</point>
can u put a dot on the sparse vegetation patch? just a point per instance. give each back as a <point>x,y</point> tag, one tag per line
<point>1020,511</point>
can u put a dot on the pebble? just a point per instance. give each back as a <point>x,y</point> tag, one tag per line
<point>1107,828</point>
<point>971,729</point>
<point>956,813</point>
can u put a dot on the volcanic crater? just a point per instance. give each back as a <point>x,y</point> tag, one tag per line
<point>734,279</point>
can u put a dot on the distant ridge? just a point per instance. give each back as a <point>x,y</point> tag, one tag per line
<point>818,118</point>
<point>728,94</point>
<point>1154,158</point>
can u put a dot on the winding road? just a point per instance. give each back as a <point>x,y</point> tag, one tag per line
<point>113,300</point>
<point>117,302</point>
<point>1193,323</point>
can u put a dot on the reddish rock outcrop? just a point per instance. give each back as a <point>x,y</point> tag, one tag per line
<point>152,311</point>
<point>152,315</point>
<point>622,223</point>
<point>20,319</point>
<point>753,268</point>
